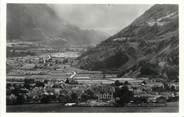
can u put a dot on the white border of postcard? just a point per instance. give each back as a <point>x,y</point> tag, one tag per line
<point>3,58</point>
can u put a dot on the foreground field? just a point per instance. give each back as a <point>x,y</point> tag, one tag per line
<point>171,107</point>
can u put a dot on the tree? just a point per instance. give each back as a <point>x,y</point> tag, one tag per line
<point>88,94</point>
<point>27,83</point>
<point>139,100</point>
<point>20,99</point>
<point>117,83</point>
<point>44,99</point>
<point>124,95</point>
<point>172,88</point>
<point>126,83</point>
<point>39,84</point>
<point>74,97</point>
<point>67,81</point>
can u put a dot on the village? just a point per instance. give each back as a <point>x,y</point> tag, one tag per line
<point>51,78</point>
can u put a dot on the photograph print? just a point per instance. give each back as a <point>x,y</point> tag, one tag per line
<point>92,58</point>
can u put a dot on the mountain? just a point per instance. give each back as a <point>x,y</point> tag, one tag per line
<point>40,23</point>
<point>149,46</point>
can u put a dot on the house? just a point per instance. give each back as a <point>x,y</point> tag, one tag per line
<point>104,92</point>
<point>105,96</point>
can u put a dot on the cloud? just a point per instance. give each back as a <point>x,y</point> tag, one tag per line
<point>108,18</point>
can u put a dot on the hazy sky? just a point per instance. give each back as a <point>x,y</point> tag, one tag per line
<point>106,18</point>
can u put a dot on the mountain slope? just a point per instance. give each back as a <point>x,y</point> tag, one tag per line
<point>39,23</point>
<point>148,46</point>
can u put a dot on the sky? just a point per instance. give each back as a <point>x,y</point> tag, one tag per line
<point>108,18</point>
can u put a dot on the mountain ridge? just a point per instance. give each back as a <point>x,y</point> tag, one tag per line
<point>148,46</point>
<point>40,23</point>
